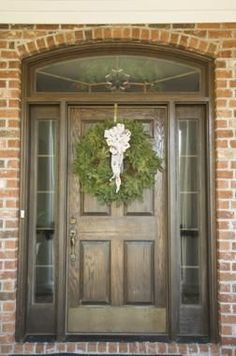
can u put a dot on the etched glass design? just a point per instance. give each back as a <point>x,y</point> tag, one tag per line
<point>118,73</point>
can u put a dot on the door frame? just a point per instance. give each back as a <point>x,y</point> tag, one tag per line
<point>170,100</point>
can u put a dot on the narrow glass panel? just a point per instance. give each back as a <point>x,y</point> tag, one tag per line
<point>189,248</point>
<point>44,288</point>
<point>46,138</point>
<point>124,73</point>
<point>190,285</point>
<point>46,173</point>
<point>44,247</point>
<point>188,174</point>
<point>45,211</point>
<point>189,209</point>
<point>188,138</point>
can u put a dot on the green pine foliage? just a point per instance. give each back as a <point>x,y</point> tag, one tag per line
<point>92,164</point>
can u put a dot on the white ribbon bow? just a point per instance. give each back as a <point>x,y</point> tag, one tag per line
<point>117,139</point>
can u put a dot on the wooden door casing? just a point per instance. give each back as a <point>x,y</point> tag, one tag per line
<point>118,281</point>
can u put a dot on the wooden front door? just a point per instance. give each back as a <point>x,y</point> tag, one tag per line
<point>117,274</point>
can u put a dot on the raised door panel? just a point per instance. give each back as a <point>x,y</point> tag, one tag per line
<point>91,206</point>
<point>95,272</point>
<point>139,272</point>
<point>144,206</point>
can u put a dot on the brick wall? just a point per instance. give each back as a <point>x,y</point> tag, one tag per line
<point>215,40</point>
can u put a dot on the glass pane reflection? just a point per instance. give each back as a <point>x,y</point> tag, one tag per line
<point>188,137</point>
<point>188,174</point>
<point>46,173</point>
<point>46,137</point>
<point>188,210</point>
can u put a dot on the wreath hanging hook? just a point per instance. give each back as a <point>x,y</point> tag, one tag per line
<point>115,112</point>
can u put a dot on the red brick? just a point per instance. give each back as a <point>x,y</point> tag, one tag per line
<point>223,245</point>
<point>6,349</point>
<point>220,124</point>
<point>113,347</point>
<point>98,33</point>
<point>224,308</point>
<point>223,73</point>
<point>47,27</point>
<point>225,194</point>
<point>172,348</point>
<point>92,347</point>
<point>135,33</point>
<point>226,235</point>
<point>116,32</point>
<point>71,347</point>
<point>223,92</point>
<point>39,348</point>
<point>155,36</point>
<point>123,347</point>
<point>28,347</point>
<point>224,133</point>
<point>50,42</point>
<point>41,43</point>
<point>164,36</point>
<point>9,306</point>
<point>229,44</point>
<point>220,84</point>
<point>107,33</point>
<point>225,214</point>
<point>194,43</point>
<point>8,327</point>
<point>127,33</point>
<point>228,340</point>
<point>32,47</point>
<point>82,346</point>
<point>208,25</point>
<point>10,265</point>
<point>61,347</point>
<point>151,348</point>
<point>102,347</point>
<point>223,204</point>
<point>184,41</point>
<point>228,319</point>
<point>162,348</point>
<point>224,174</point>
<point>219,34</point>
<point>227,276</point>
<point>225,54</point>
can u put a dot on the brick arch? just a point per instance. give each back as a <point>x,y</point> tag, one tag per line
<point>63,38</point>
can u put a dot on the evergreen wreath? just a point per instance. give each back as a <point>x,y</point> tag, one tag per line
<point>92,164</point>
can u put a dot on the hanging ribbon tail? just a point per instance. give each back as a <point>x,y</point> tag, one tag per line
<point>118,184</point>
<point>117,139</point>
